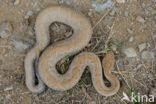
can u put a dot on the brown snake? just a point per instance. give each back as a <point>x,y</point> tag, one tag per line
<point>42,59</point>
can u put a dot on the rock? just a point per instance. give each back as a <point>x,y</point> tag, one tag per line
<point>90,13</point>
<point>140,19</point>
<point>5,29</point>
<point>129,31</point>
<point>147,55</point>
<point>120,1</point>
<point>16,2</point>
<point>81,5</point>
<point>101,5</point>
<point>29,13</point>
<point>114,48</point>
<point>129,52</point>
<point>131,39</point>
<point>142,47</point>
<point>143,5</point>
<point>126,13</point>
<point>20,45</point>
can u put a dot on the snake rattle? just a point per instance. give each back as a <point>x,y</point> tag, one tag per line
<point>40,62</point>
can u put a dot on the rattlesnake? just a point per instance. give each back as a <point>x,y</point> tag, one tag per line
<point>42,59</point>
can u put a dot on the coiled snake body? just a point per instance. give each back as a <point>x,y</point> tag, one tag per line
<point>42,59</point>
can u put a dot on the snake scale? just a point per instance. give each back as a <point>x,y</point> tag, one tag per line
<point>41,60</point>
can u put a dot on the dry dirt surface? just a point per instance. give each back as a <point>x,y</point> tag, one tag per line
<point>128,27</point>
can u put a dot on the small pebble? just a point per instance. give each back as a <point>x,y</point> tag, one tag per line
<point>114,48</point>
<point>20,46</point>
<point>147,55</point>
<point>90,13</point>
<point>100,5</point>
<point>131,39</point>
<point>140,19</point>
<point>5,29</point>
<point>126,13</point>
<point>120,1</point>
<point>143,5</point>
<point>29,13</point>
<point>129,52</point>
<point>129,31</point>
<point>142,47</point>
<point>16,2</point>
<point>148,45</point>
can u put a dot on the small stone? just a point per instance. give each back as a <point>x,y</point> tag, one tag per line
<point>148,45</point>
<point>8,88</point>
<point>29,13</point>
<point>114,48</point>
<point>129,31</point>
<point>126,13</point>
<point>90,13</point>
<point>142,47</point>
<point>147,55</point>
<point>16,2</point>
<point>143,5</point>
<point>120,1</point>
<point>5,29</point>
<point>131,39</point>
<point>129,52</point>
<point>101,5</point>
<point>20,45</point>
<point>140,19</point>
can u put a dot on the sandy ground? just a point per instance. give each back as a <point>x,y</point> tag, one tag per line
<point>128,28</point>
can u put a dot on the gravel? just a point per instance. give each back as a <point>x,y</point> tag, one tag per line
<point>129,52</point>
<point>147,55</point>
<point>140,19</point>
<point>5,29</point>
<point>16,2</point>
<point>20,46</point>
<point>29,13</point>
<point>129,31</point>
<point>101,5</point>
<point>131,39</point>
<point>120,1</point>
<point>142,46</point>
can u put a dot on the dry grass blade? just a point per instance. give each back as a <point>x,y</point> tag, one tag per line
<point>122,75</point>
<point>103,17</point>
